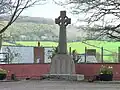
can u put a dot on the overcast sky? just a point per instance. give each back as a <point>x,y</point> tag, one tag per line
<point>52,10</point>
<point>49,10</point>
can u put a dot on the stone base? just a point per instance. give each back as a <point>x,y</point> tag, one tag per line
<point>73,77</point>
<point>62,64</point>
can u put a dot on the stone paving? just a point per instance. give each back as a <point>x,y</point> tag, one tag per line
<point>56,85</point>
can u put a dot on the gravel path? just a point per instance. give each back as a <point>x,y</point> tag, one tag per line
<point>56,85</point>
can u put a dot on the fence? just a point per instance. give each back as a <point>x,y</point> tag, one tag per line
<point>15,54</point>
<point>24,54</point>
<point>101,55</point>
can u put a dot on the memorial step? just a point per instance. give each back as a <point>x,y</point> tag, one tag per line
<point>71,77</point>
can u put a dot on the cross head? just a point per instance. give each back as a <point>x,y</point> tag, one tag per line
<point>63,20</point>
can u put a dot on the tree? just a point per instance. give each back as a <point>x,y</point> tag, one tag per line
<point>13,9</point>
<point>5,6</point>
<point>105,14</point>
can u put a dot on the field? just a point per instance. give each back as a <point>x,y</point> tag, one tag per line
<point>109,47</point>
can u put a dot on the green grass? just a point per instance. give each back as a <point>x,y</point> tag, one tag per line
<point>34,43</point>
<point>79,46</point>
<point>5,43</point>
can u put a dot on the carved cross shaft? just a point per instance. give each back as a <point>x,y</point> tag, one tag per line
<point>62,21</point>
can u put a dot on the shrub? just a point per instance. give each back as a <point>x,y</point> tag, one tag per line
<point>3,71</point>
<point>106,70</point>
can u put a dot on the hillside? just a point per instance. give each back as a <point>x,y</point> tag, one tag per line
<point>26,19</point>
<point>37,28</point>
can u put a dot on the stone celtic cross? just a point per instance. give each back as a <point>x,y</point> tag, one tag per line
<point>62,21</point>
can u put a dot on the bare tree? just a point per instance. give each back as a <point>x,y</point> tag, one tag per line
<point>13,9</point>
<point>105,14</point>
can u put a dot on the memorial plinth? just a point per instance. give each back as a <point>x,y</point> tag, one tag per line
<point>62,65</point>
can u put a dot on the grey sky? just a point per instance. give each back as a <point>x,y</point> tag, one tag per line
<point>52,10</point>
<point>49,10</point>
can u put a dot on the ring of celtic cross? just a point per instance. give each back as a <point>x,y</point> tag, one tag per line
<point>63,21</point>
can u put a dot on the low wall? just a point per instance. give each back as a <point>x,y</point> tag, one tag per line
<point>92,69</point>
<point>26,70</point>
<point>36,70</point>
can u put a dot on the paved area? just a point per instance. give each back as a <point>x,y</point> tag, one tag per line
<point>56,85</point>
